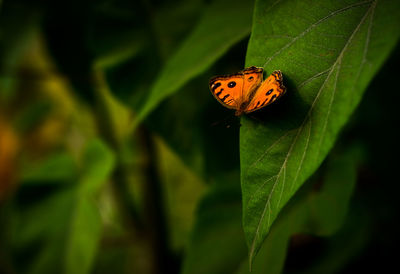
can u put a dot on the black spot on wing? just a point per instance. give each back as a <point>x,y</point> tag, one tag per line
<point>231,84</point>
<point>224,98</point>
<point>269,91</point>
<point>263,103</point>
<point>215,86</point>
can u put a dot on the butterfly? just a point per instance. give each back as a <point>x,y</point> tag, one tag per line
<point>245,91</point>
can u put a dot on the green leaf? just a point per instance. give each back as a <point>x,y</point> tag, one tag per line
<point>181,199</point>
<point>273,251</point>
<point>152,40</point>
<point>317,211</point>
<point>98,163</point>
<point>217,244</point>
<point>64,228</point>
<point>84,236</point>
<point>59,168</point>
<point>328,53</point>
<point>85,226</point>
<point>169,36</point>
<point>307,213</point>
<point>223,24</point>
<point>355,235</point>
<point>209,148</point>
<point>328,206</point>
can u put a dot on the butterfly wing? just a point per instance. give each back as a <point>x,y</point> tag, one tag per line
<point>270,90</point>
<point>233,90</point>
<point>252,79</point>
<point>228,89</point>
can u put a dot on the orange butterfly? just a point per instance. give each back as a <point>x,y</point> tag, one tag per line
<point>245,91</point>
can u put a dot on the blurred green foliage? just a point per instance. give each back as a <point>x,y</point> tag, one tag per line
<point>115,158</point>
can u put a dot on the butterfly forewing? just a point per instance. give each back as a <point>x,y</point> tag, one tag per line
<point>228,89</point>
<point>270,90</point>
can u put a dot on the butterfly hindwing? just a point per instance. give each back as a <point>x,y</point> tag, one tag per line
<point>228,89</point>
<point>270,90</point>
<point>252,79</point>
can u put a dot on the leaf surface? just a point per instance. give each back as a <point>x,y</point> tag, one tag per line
<point>328,53</point>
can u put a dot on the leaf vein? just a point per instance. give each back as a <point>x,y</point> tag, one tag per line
<point>258,189</point>
<point>314,77</point>
<point>268,150</point>
<point>252,249</point>
<point>302,158</point>
<point>329,109</point>
<point>332,14</point>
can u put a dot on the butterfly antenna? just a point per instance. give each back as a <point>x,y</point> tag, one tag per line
<point>224,120</point>
<point>232,120</point>
<point>227,118</point>
<point>257,119</point>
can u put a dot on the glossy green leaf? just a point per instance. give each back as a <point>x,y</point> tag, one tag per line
<point>223,24</point>
<point>328,53</point>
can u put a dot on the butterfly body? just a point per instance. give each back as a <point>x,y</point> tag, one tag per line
<point>245,91</point>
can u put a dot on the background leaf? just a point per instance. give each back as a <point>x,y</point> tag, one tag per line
<point>328,53</point>
<point>64,223</point>
<point>217,244</point>
<point>215,33</point>
<point>18,23</point>
<point>85,227</point>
